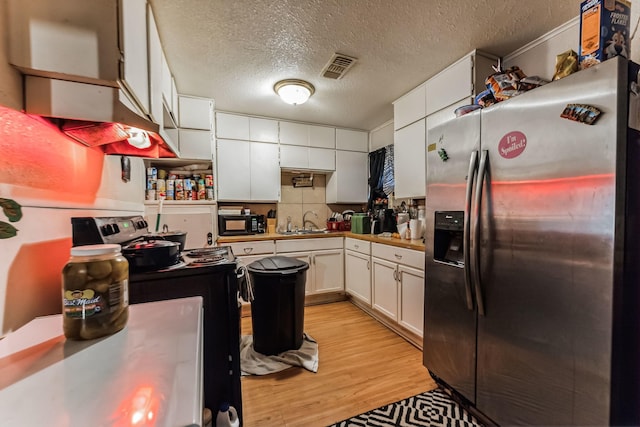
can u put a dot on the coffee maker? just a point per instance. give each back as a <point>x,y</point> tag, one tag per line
<point>385,220</point>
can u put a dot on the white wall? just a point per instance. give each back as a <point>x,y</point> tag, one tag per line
<point>32,261</point>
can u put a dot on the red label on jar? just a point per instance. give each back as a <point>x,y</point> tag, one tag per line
<point>512,144</point>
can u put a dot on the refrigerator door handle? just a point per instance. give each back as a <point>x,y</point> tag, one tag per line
<point>482,168</point>
<point>473,160</point>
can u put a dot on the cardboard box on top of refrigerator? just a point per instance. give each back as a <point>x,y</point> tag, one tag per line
<point>604,30</point>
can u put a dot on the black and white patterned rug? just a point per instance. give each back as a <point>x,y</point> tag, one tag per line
<point>433,408</point>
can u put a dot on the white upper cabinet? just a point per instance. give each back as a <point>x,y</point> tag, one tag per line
<point>76,38</point>
<point>322,159</point>
<point>234,170</point>
<point>155,69</point>
<point>308,158</point>
<point>307,135</point>
<point>294,134</point>
<point>322,136</point>
<point>232,126</point>
<point>195,144</point>
<point>247,171</point>
<point>409,108</point>
<point>348,184</point>
<point>136,54</point>
<point>174,100</point>
<point>294,157</point>
<point>265,172</point>
<point>381,136</point>
<point>263,130</point>
<point>409,161</point>
<point>103,43</point>
<point>167,92</point>
<point>352,140</point>
<point>460,81</point>
<point>195,112</point>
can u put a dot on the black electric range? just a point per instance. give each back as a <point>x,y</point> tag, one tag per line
<point>209,272</point>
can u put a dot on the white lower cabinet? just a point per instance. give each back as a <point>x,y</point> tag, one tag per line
<point>357,269</point>
<point>327,271</point>
<point>411,310</point>
<point>385,287</point>
<point>398,285</point>
<point>325,258</point>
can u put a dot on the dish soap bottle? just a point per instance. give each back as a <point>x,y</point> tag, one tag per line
<point>227,416</point>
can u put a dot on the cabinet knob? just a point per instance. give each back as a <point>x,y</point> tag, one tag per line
<point>398,256</point>
<point>356,246</point>
<point>248,250</point>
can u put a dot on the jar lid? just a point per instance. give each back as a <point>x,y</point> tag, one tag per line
<point>92,250</point>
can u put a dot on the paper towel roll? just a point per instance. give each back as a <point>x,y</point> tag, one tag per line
<point>416,229</point>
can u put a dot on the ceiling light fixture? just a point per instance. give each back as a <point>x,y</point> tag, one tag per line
<point>294,91</point>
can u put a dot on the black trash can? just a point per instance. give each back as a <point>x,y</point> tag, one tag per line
<point>277,309</point>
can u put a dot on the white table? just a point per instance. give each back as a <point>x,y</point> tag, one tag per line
<point>148,374</point>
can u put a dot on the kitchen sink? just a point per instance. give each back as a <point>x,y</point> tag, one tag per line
<point>303,232</point>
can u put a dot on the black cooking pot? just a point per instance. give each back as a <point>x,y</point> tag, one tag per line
<point>151,255</point>
<point>172,236</point>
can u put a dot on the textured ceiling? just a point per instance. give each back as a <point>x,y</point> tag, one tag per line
<point>235,50</point>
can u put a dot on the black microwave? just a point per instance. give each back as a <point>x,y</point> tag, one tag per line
<point>234,225</point>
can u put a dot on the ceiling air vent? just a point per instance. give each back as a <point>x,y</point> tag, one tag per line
<point>338,66</point>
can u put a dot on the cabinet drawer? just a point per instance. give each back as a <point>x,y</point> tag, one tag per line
<point>300,245</point>
<point>266,247</point>
<point>357,245</point>
<point>404,256</point>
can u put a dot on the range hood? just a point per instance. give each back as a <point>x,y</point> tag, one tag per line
<point>94,115</point>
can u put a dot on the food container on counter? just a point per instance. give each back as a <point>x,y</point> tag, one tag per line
<point>335,225</point>
<point>95,292</point>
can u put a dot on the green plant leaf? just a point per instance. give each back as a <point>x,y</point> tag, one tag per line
<point>7,230</point>
<point>11,209</point>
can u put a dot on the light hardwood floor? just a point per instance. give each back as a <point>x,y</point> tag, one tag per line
<point>362,366</point>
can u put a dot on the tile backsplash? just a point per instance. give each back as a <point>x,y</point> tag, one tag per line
<point>294,202</point>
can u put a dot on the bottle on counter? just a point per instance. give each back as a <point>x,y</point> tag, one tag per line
<point>227,416</point>
<point>95,292</point>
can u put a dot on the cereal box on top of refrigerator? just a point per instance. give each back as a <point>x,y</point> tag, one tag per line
<point>604,31</point>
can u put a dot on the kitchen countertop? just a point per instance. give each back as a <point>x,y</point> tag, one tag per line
<point>402,243</point>
<point>151,370</point>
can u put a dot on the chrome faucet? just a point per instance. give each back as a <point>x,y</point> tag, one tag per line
<point>304,220</point>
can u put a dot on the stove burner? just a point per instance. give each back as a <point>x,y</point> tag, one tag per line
<point>207,252</point>
<point>207,260</point>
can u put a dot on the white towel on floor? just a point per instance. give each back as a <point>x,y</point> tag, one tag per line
<point>254,363</point>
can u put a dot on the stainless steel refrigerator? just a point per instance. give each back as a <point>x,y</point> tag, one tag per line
<point>532,307</point>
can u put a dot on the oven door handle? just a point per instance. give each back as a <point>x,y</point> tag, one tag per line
<point>240,273</point>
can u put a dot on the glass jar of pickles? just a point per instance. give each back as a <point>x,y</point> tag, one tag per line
<point>95,293</point>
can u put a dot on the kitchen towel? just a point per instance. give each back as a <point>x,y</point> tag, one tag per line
<point>254,363</point>
<point>245,286</point>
